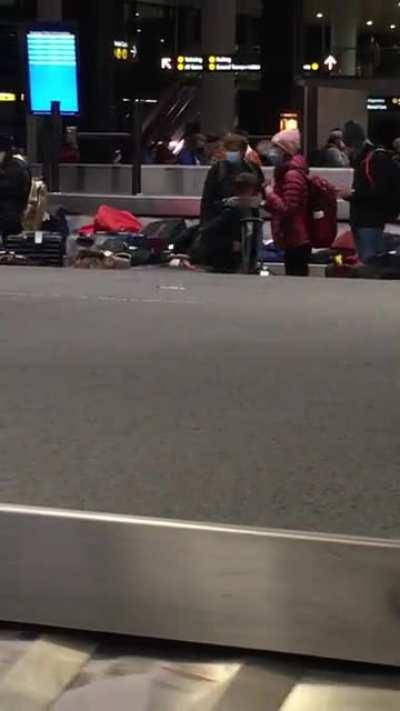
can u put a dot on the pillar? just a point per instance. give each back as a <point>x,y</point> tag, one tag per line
<point>218,100</point>
<point>282,33</point>
<point>188,30</point>
<point>99,25</point>
<point>345,19</point>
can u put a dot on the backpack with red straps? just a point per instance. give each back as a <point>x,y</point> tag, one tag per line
<point>323,212</point>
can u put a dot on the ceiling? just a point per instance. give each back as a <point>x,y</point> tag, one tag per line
<point>246,7</point>
<point>383,13</point>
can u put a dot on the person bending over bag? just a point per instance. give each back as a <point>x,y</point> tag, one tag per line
<point>220,242</point>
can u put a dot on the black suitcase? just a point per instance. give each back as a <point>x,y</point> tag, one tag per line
<point>42,249</point>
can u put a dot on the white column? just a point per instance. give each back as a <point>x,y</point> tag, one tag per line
<point>50,10</point>
<point>218,104</point>
<point>345,21</point>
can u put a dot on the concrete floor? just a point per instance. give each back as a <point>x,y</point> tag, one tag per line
<point>268,402</point>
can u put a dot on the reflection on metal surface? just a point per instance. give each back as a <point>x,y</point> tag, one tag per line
<point>41,674</point>
<point>336,694</point>
<point>322,596</point>
<point>123,674</point>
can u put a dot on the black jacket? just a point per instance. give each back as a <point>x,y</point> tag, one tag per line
<point>15,185</point>
<point>371,204</point>
<point>219,185</point>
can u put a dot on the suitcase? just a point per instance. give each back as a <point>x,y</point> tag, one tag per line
<point>163,234</point>
<point>251,242</point>
<point>42,249</point>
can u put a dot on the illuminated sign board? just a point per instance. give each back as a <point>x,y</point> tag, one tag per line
<point>211,63</point>
<point>123,51</point>
<point>330,62</point>
<point>288,121</point>
<point>387,103</point>
<point>52,58</point>
<point>313,67</point>
<point>189,64</point>
<point>7,97</point>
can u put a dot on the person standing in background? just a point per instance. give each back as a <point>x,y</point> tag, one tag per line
<point>15,186</point>
<point>193,151</point>
<point>288,203</point>
<point>334,155</point>
<point>371,199</point>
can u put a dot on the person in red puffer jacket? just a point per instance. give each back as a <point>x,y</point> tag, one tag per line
<point>288,203</point>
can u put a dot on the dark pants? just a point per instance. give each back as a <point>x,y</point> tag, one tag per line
<point>297,260</point>
<point>370,243</point>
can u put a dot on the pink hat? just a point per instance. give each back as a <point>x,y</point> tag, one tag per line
<point>288,141</point>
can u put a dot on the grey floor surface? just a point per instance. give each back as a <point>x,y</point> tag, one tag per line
<point>268,402</point>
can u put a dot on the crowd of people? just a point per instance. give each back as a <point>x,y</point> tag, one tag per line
<point>235,184</point>
<point>235,193</point>
<point>194,149</point>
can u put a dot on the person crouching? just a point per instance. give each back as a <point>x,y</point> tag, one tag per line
<point>221,237</point>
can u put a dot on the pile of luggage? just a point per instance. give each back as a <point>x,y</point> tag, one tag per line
<point>117,240</point>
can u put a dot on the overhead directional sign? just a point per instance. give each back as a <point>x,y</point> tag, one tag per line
<point>330,62</point>
<point>166,63</point>
<point>211,63</point>
<point>124,51</point>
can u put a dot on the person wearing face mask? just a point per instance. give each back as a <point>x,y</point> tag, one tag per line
<point>220,244</point>
<point>288,202</point>
<point>220,181</point>
<point>15,186</point>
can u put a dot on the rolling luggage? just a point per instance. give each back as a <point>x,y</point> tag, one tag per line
<point>251,242</point>
<point>43,249</point>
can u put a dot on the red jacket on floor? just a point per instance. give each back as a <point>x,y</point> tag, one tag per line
<point>288,204</point>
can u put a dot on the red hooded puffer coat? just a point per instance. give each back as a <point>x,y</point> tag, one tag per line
<point>288,204</point>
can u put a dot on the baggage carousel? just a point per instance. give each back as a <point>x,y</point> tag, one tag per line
<point>42,670</point>
<point>160,400</point>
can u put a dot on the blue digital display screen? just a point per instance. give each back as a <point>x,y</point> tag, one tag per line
<point>53,71</point>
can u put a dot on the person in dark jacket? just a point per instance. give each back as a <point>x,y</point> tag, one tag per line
<point>220,180</point>
<point>370,200</point>
<point>15,186</point>
<point>288,203</point>
<point>221,237</point>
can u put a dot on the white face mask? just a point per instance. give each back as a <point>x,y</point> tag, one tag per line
<point>233,156</point>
